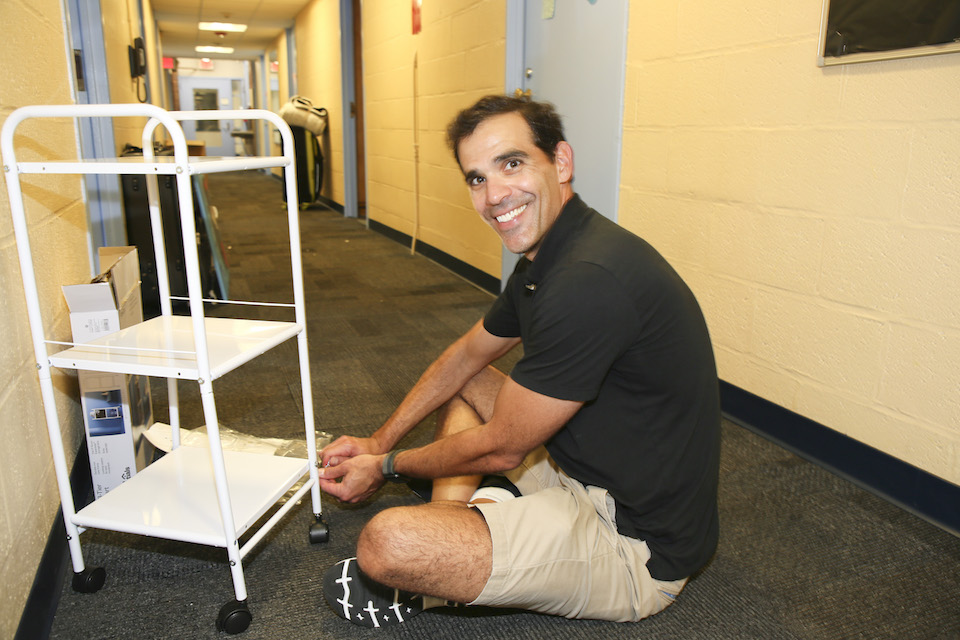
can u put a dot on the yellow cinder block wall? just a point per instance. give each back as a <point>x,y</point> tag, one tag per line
<point>815,212</point>
<point>317,34</point>
<point>459,57</point>
<point>37,70</point>
<point>120,27</point>
<point>35,67</point>
<point>278,52</point>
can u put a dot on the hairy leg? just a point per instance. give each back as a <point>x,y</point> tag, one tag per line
<point>440,549</point>
<point>471,407</point>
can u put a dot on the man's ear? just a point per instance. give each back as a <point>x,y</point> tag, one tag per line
<point>563,160</point>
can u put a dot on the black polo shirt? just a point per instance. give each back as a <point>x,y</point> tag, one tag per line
<point>605,320</point>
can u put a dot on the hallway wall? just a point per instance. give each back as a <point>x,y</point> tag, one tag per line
<point>120,27</point>
<point>279,97</point>
<point>317,34</point>
<point>460,57</point>
<point>815,212</point>
<point>37,70</point>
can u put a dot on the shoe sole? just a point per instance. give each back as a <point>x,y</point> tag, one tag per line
<point>355,597</point>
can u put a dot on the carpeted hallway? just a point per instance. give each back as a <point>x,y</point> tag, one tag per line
<point>803,554</point>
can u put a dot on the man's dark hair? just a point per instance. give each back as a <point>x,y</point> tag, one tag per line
<point>541,117</point>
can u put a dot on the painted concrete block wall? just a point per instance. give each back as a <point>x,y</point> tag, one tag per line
<point>317,34</point>
<point>120,27</point>
<point>37,68</point>
<point>276,98</point>
<point>459,58</point>
<point>36,71</point>
<point>815,212</point>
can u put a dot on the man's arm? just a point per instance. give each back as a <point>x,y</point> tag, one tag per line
<point>445,377</point>
<point>522,420</point>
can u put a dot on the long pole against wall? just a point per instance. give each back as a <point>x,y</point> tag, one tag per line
<point>416,160</point>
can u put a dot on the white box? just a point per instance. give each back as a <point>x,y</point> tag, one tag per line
<point>111,301</point>
<point>117,408</point>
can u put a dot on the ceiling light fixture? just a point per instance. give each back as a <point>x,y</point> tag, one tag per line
<point>208,49</point>
<point>223,26</point>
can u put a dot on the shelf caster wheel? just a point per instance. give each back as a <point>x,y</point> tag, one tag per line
<point>90,580</point>
<point>319,532</point>
<point>234,617</point>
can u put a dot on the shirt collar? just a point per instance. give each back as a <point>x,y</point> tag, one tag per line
<point>551,248</point>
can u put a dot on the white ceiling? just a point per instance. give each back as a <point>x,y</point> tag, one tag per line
<point>265,19</point>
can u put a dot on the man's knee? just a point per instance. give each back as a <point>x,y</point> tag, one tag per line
<point>378,546</point>
<point>480,392</point>
<point>402,546</point>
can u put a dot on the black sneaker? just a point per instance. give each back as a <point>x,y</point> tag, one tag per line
<point>355,597</point>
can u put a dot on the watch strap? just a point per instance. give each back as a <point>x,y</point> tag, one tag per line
<point>387,469</point>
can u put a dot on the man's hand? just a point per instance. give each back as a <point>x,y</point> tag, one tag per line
<point>354,479</point>
<point>346,447</point>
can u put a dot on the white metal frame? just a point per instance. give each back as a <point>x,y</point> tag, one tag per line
<point>174,497</point>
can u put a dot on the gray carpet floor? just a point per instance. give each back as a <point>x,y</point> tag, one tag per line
<point>803,553</point>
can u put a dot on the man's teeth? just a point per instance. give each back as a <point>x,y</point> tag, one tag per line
<point>510,215</point>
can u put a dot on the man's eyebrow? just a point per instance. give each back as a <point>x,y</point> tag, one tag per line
<point>511,155</point>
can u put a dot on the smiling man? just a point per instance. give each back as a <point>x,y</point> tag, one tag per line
<point>584,483</point>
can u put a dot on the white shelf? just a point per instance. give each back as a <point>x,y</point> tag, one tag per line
<point>164,165</point>
<point>204,496</point>
<point>175,497</point>
<point>164,347</point>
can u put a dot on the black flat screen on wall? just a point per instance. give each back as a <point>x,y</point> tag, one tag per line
<point>862,30</point>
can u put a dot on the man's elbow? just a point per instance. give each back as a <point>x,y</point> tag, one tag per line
<point>503,461</point>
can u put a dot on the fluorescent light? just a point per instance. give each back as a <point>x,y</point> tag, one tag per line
<point>200,49</point>
<point>223,26</point>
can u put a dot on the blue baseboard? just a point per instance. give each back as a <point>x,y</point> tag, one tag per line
<point>483,280</point>
<point>329,204</point>
<point>909,487</point>
<point>37,617</point>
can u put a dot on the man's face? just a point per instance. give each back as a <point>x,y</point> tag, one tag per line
<point>514,186</point>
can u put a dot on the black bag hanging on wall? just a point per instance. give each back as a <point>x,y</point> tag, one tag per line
<point>307,123</point>
<point>309,161</point>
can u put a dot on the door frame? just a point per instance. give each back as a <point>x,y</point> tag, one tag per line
<point>515,78</point>
<point>102,194</point>
<point>349,107</point>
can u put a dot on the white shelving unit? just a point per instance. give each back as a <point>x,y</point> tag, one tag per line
<point>205,496</point>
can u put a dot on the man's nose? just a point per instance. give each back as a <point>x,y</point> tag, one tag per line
<point>497,191</point>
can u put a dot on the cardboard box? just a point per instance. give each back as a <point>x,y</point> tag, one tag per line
<point>117,408</point>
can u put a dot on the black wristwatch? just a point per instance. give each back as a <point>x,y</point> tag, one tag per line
<point>387,468</point>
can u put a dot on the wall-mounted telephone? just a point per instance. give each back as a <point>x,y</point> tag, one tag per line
<point>138,65</point>
<point>138,58</point>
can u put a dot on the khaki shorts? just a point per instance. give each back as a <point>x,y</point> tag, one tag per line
<point>556,550</point>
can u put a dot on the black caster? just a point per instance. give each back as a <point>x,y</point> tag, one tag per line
<point>319,531</point>
<point>234,617</point>
<point>90,580</point>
